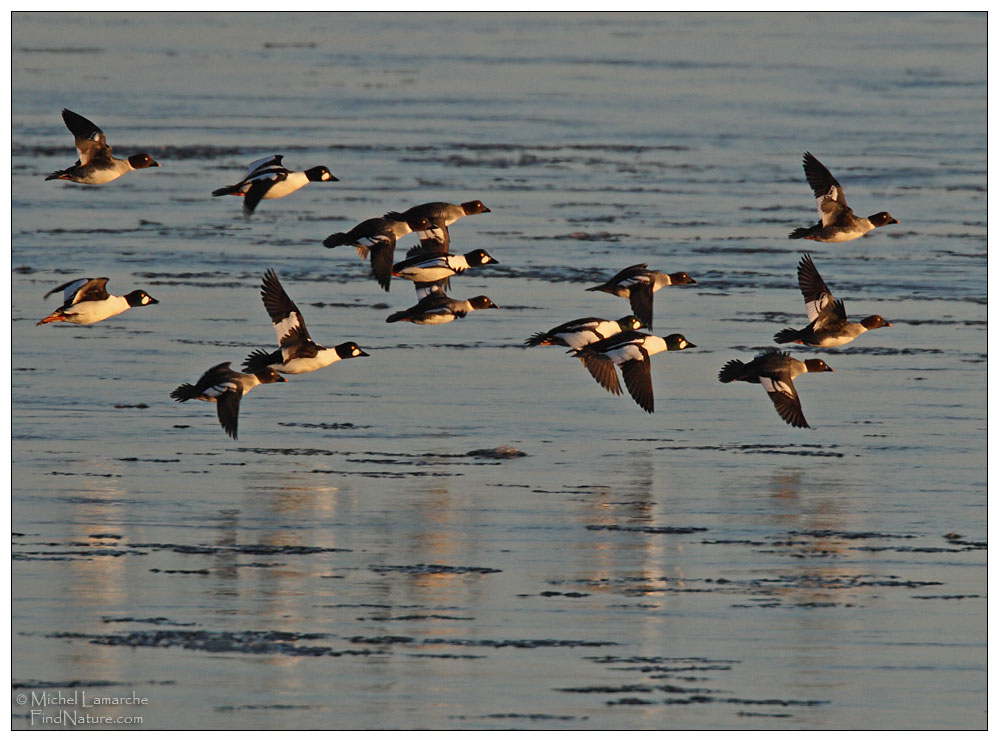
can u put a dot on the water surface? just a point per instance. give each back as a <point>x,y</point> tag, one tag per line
<point>373,552</point>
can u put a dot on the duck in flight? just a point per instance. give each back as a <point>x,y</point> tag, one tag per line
<point>96,165</point>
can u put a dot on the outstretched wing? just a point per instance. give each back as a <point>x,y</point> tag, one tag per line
<point>641,302</point>
<point>289,325</point>
<point>638,378</point>
<point>785,398</point>
<point>829,197</point>
<point>81,289</point>
<point>228,409</point>
<point>434,239</point>
<point>602,370</point>
<point>257,190</point>
<point>264,163</point>
<point>818,297</point>
<point>89,139</point>
<point>382,251</point>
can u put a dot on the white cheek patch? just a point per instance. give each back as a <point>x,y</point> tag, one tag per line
<point>683,344</point>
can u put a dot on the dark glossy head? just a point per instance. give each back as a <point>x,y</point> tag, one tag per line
<point>882,218</point>
<point>874,322</point>
<point>142,160</point>
<point>676,341</point>
<point>268,376</point>
<point>482,302</point>
<point>349,350</point>
<point>681,278</point>
<point>480,257</point>
<point>630,322</point>
<point>475,207</point>
<point>139,298</point>
<point>815,365</point>
<point>319,173</point>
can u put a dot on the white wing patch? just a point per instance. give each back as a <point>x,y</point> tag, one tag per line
<point>376,240</point>
<point>814,308</point>
<point>219,389</point>
<point>580,338</point>
<point>635,281</point>
<point>625,353</point>
<point>433,233</point>
<point>272,161</point>
<point>69,293</point>
<point>776,385</point>
<point>282,328</point>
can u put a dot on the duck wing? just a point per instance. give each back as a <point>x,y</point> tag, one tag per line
<point>829,197</point>
<point>641,302</point>
<point>638,378</point>
<point>289,325</point>
<point>89,139</point>
<point>228,409</point>
<point>818,298</point>
<point>782,393</point>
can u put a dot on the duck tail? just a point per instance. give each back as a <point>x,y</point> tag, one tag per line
<point>397,317</point>
<point>184,392</point>
<point>337,238</point>
<point>799,234</point>
<point>227,191</point>
<point>57,175</point>
<point>538,338</point>
<point>258,360</point>
<point>56,316</point>
<point>731,371</point>
<point>787,335</point>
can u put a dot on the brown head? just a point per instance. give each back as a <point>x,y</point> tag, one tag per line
<point>482,302</point>
<point>815,365</point>
<point>882,218</point>
<point>475,207</point>
<point>681,278</point>
<point>874,322</point>
<point>142,161</point>
<point>268,376</point>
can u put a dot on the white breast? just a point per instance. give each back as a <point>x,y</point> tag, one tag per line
<point>292,183</point>
<point>88,312</point>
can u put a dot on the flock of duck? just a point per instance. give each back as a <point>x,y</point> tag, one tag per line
<point>603,346</point>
